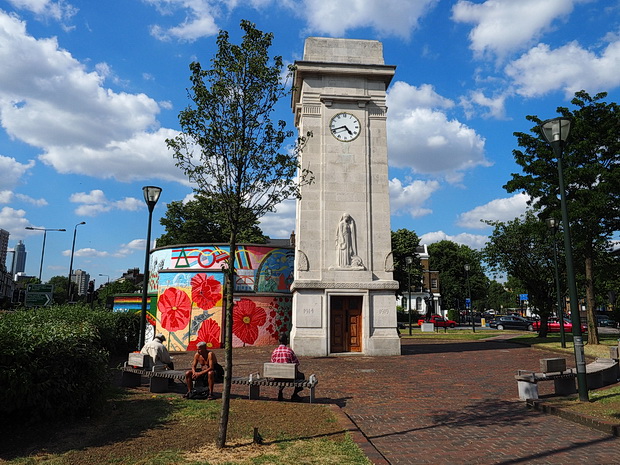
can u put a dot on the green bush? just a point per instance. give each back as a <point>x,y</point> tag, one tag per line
<point>453,314</point>
<point>54,361</point>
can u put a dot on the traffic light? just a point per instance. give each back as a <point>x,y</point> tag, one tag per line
<point>91,287</point>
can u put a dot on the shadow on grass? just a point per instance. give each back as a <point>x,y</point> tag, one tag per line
<point>124,416</point>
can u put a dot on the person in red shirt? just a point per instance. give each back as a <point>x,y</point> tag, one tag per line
<point>284,354</point>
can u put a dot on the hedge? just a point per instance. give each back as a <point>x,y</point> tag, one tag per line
<point>54,361</point>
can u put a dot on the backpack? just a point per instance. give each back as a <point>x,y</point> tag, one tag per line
<point>198,394</point>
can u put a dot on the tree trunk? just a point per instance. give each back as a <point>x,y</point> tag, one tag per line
<point>230,284</point>
<point>590,303</point>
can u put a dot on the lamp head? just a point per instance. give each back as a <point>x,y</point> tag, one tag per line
<point>555,129</point>
<point>408,260</point>
<point>552,224</point>
<point>466,267</point>
<point>151,195</point>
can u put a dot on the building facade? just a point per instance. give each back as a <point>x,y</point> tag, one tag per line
<point>19,259</point>
<point>81,279</point>
<point>425,297</point>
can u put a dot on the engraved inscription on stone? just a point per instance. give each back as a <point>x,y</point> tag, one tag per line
<point>309,313</point>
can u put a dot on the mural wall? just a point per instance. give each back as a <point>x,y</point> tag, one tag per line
<point>189,283</point>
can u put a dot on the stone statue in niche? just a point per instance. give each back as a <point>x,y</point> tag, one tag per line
<point>346,244</point>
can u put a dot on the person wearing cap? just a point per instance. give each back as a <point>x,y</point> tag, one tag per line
<point>208,372</point>
<point>158,352</point>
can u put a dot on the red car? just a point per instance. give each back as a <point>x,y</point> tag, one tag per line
<point>438,321</point>
<point>553,325</point>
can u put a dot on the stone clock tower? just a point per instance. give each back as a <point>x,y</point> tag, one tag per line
<point>343,293</point>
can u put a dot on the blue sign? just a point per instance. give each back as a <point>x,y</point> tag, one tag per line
<point>467,303</point>
<point>523,297</point>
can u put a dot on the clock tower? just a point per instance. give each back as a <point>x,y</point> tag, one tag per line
<point>343,292</point>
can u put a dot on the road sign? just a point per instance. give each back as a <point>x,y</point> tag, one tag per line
<point>39,295</point>
<point>523,297</point>
<point>467,303</point>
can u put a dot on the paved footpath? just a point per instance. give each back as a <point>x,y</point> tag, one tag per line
<point>447,403</point>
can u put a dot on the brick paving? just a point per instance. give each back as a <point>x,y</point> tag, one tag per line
<point>446,403</point>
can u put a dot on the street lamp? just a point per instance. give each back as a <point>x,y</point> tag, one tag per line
<point>106,275</point>
<point>555,131</point>
<point>553,225</point>
<point>151,196</point>
<point>409,261</point>
<point>471,307</point>
<point>45,230</point>
<point>70,283</point>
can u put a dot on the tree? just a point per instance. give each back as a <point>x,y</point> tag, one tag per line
<point>60,288</point>
<point>404,244</point>
<point>522,248</point>
<point>592,176</point>
<point>233,152</point>
<point>498,296</point>
<point>196,221</point>
<point>115,287</point>
<point>450,258</point>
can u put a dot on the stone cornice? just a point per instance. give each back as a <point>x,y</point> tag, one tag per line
<point>371,285</point>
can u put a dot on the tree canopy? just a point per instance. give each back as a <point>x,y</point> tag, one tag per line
<point>233,152</point>
<point>592,176</point>
<point>450,258</point>
<point>404,244</point>
<point>522,248</point>
<point>197,221</point>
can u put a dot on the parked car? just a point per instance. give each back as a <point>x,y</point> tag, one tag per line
<point>438,321</point>
<point>553,326</point>
<point>604,320</point>
<point>512,322</point>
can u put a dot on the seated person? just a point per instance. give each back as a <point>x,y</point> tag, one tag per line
<point>284,354</point>
<point>158,352</point>
<point>209,371</point>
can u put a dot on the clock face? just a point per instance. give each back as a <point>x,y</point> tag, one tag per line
<point>345,127</point>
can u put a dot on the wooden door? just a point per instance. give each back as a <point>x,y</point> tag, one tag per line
<point>346,324</point>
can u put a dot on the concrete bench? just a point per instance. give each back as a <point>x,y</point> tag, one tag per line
<point>278,375</point>
<point>551,369</point>
<point>141,365</point>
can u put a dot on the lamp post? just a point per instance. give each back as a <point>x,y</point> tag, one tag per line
<point>151,196</point>
<point>555,131</point>
<point>409,261</point>
<point>553,225</point>
<point>107,276</point>
<point>70,283</point>
<point>45,230</point>
<point>471,307</point>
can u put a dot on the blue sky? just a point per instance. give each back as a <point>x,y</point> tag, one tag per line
<point>90,90</point>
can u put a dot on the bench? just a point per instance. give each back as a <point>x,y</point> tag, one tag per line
<point>601,372</point>
<point>280,375</point>
<point>139,365</point>
<point>551,369</point>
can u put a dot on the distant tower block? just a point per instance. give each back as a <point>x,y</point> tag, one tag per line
<point>343,291</point>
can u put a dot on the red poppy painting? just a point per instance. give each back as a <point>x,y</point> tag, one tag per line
<point>209,332</point>
<point>174,308</point>
<point>247,318</point>
<point>206,291</point>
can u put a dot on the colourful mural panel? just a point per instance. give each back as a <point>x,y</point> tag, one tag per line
<point>189,283</point>
<point>259,320</point>
<point>189,309</point>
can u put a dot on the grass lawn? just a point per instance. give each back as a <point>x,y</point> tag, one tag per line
<point>140,428</point>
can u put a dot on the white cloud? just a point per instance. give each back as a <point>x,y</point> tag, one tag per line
<point>570,68</point>
<point>421,137</point>
<point>497,210</point>
<point>12,171</point>
<point>280,224</point>
<point>14,221</point>
<point>505,26</point>
<point>412,197</point>
<point>494,106</point>
<point>95,202</point>
<point>475,241</point>
<point>58,10</point>
<point>386,17</point>
<point>51,101</point>
<point>199,19</point>
<point>90,252</point>
<point>28,199</point>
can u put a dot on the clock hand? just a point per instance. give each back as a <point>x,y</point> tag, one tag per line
<point>348,130</point>
<point>340,129</point>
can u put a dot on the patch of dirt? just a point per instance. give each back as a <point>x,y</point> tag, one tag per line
<point>137,424</point>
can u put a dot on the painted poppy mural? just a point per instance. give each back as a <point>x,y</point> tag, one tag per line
<point>174,307</point>
<point>190,293</point>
